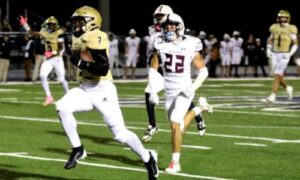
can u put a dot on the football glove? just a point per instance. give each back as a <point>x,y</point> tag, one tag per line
<point>154,99</point>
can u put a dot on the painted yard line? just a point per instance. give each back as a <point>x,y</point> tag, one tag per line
<point>257,113</point>
<point>251,144</point>
<point>25,156</point>
<point>255,127</point>
<point>21,102</point>
<point>160,130</point>
<point>185,146</point>
<point>196,147</point>
<point>9,90</point>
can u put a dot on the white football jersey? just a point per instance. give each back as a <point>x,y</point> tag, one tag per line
<point>133,44</point>
<point>237,45</point>
<point>113,47</point>
<point>153,33</point>
<point>176,59</point>
<point>225,48</point>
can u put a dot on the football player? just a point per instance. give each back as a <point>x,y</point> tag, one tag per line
<point>237,52</point>
<point>96,90</point>
<point>155,32</point>
<point>114,52</point>
<point>225,53</point>
<point>52,35</point>
<point>132,48</point>
<point>175,52</point>
<point>281,45</point>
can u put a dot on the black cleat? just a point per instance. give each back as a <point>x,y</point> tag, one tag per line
<point>151,166</point>
<point>201,128</point>
<point>76,154</point>
<point>149,133</point>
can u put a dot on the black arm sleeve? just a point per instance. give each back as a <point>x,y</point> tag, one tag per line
<point>101,65</point>
<point>75,57</point>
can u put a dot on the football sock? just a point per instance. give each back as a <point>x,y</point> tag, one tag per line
<point>198,118</point>
<point>135,145</point>
<point>150,110</point>
<point>65,85</point>
<point>45,85</point>
<point>70,126</point>
<point>176,157</point>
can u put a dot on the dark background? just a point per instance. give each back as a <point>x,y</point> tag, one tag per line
<point>213,16</point>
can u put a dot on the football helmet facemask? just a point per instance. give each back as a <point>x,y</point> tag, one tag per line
<point>172,19</point>
<point>160,12</point>
<point>51,24</point>
<point>85,19</point>
<point>283,17</point>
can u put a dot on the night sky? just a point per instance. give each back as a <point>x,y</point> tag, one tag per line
<point>217,17</point>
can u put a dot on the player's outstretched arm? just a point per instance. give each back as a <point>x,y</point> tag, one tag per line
<point>23,22</point>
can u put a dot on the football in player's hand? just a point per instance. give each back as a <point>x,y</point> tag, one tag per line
<point>86,56</point>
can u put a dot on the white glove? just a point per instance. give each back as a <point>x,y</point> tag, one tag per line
<point>269,52</point>
<point>154,99</point>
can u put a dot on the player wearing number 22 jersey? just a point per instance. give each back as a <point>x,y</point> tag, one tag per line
<point>176,52</point>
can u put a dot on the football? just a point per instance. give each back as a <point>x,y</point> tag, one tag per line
<point>86,56</point>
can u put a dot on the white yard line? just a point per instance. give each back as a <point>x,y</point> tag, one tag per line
<point>109,166</point>
<point>161,130</point>
<point>257,113</point>
<point>251,144</point>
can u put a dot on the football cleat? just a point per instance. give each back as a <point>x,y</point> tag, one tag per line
<point>48,100</point>
<point>152,167</point>
<point>204,106</point>
<point>269,99</point>
<point>76,154</point>
<point>289,90</point>
<point>201,127</point>
<point>173,168</point>
<point>149,133</point>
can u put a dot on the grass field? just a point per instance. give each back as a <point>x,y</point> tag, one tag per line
<point>245,138</point>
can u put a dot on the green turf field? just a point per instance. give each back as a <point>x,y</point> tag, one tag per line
<point>245,138</point>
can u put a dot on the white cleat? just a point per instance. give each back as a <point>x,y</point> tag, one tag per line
<point>289,90</point>
<point>173,168</point>
<point>204,106</point>
<point>269,99</point>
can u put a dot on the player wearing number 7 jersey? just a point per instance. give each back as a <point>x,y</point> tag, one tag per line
<point>175,52</point>
<point>52,35</point>
<point>282,44</point>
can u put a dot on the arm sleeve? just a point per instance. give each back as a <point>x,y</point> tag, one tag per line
<point>99,67</point>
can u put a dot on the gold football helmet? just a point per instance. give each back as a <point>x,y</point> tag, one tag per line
<point>285,14</point>
<point>51,24</point>
<point>86,19</point>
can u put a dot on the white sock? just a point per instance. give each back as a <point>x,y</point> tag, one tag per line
<point>176,157</point>
<point>135,144</point>
<point>197,110</point>
<point>45,85</point>
<point>69,124</point>
<point>65,85</point>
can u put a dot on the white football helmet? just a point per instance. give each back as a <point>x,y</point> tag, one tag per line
<point>202,34</point>
<point>176,20</point>
<point>226,36</point>
<point>236,33</point>
<point>161,10</point>
<point>132,31</point>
